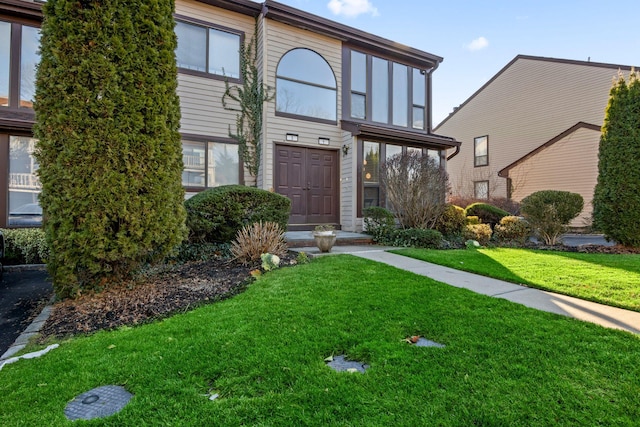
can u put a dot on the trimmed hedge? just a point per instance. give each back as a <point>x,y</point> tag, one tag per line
<point>487,213</point>
<point>452,220</point>
<point>549,212</point>
<point>109,150</point>
<point>479,232</point>
<point>512,229</point>
<point>217,214</point>
<point>25,246</point>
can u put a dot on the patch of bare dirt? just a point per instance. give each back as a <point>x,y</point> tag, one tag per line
<point>156,294</point>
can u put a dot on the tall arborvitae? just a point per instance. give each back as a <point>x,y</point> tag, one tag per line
<point>616,201</point>
<point>109,150</point>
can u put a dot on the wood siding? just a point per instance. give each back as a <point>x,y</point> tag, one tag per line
<point>527,104</point>
<point>548,170</point>
<point>201,97</point>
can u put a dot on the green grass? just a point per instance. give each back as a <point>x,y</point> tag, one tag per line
<point>605,278</point>
<point>263,351</point>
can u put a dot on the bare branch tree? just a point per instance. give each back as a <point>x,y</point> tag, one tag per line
<point>416,188</point>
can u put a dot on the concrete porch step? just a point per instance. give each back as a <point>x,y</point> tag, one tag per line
<point>303,239</point>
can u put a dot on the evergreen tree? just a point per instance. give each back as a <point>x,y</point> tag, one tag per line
<point>107,118</point>
<point>616,201</point>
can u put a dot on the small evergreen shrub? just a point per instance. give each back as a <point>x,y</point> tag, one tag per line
<point>257,239</point>
<point>549,212</point>
<point>479,232</point>
<point>25,246</point>
<point>378,222</point>
<point>217,214</point>
<point>512,229</point>
<point>487,213</point>
<point>472,220</point>
<point>452,220</point>
<point>415,237</point>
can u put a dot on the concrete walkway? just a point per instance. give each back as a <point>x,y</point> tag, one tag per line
<point>603,315</point>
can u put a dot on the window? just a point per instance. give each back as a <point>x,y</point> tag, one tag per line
<point>481,189</point>
<point>386,92</point>
<point>29,59</point>
<point>371,174</point>
<point>19,43</point>
<point>208,50</point>
<point>209,164</point>
<point>370,189</point>
<point>481,147</point>
<point>5,57</point>
<point>24,185</point>
<point>419,95</point>
<point>358,85</point>
<point>306,86</point>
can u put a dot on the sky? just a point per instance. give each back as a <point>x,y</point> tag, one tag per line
<point>477,38</point>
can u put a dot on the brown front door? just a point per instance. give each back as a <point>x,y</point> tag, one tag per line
<point>309,177</point>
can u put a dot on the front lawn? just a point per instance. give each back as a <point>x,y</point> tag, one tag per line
<point>263,352</point>
<point>604,278</point>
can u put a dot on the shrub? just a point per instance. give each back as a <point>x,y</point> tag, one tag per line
<point>415,237</point>
<point>616,199</point>
<point>25,246</point>
<point>472,220</point>
<point>110,156</point>
<point>416,188</point>
<point>487,213</point>
<point>549,212</point>
<point>452,220</point>
<point>479,232</point>
<point>257,239</point>
<point>217,214</point>
<point>378,222</point>
<point>503,203</point>
<point>512,229</point>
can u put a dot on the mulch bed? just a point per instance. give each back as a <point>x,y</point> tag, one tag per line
<point>154,295</point>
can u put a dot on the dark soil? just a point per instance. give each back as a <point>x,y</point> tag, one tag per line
<point>155,294</point>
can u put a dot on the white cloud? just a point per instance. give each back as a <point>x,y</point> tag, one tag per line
<point>352,8</point>
<point>477,44</point>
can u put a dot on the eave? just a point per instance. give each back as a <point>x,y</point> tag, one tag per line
<point>398,135</point>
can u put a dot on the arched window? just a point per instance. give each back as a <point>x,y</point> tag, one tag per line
<point>306,86</point>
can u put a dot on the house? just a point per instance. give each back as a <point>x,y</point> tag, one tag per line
<point>534,126</point>
<point>339,93</point>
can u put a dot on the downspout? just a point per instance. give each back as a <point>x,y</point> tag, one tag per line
<point>455,153</point>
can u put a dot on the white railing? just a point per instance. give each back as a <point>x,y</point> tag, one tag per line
<point>26,181</point>
<point>196,162</point>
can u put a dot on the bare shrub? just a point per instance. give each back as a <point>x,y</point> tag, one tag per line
<point>416,188</point>
<point>259,238</point>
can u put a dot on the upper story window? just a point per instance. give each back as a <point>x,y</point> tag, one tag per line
<point>386,92</point>
<point>208,50</point>
<point>481,151</point>
<point>19,55</point>
<point>306,86</point>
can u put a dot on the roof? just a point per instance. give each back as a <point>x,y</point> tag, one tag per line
<point>534,58</point>
<point>504,173</point>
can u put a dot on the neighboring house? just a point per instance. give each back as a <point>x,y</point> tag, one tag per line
<point>344,99</point>
<point>534,126</point>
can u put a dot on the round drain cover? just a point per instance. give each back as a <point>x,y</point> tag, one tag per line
<point>98,403</point>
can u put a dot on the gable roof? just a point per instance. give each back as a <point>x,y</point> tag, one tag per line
<point>504,173</point>
<point>533,58</point>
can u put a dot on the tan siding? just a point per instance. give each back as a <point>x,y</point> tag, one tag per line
<point>570,164</point>
<point>527,105</point>
<point>348,189</point>
<point>281,38</point>
<point>200,97</point>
